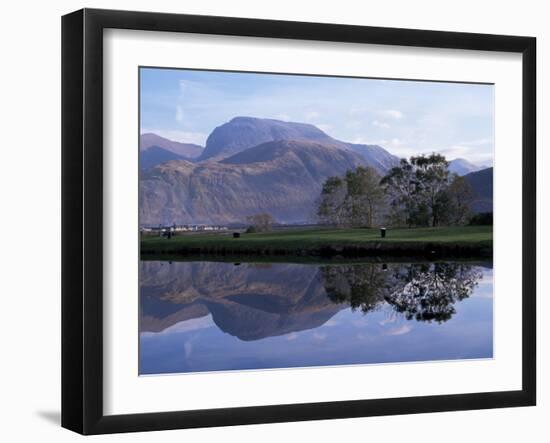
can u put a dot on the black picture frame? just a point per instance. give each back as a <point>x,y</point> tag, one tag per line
<point>82,218</point>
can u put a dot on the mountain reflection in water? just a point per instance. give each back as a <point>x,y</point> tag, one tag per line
<point>207,316</point>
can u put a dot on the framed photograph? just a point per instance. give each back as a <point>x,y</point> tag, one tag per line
<point>269,221</point>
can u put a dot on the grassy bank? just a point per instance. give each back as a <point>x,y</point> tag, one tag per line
<point>447,241</point>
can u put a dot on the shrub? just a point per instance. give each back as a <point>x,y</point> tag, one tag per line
<point>483,218</point>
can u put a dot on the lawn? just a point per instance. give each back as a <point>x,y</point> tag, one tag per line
<point>304,241</point>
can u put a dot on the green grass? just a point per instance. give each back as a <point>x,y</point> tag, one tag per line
<point>302,240</point>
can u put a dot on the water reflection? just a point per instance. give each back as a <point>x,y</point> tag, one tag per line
<point>424,292</point>
<point>202,316</point>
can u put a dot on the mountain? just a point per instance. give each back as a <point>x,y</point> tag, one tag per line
<point>242,133</point>
<point>249,165</point>
<point>250,301</point>
<point>187,150</point>
<point>283,178</point>
<point>462,166</point>
<point>482,185</point>
<point>156,155</point>
<point>246,132</point>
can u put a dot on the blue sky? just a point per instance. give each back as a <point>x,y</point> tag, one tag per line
<point>405,117</point>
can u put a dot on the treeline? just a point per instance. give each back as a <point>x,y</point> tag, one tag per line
<point>419,192</point>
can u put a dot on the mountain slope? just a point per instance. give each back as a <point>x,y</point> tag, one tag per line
<point>283,178</point>
<point>482,185</point>
<point>462,166</point>
<point>188,150</point>
<point>376,156</point>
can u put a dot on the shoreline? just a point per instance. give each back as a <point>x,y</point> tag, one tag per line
<point>422,251</point>
<point>414,243</point>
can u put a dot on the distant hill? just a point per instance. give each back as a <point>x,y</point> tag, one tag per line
<point>156,155</point>
<point>187,150</point>
<point>462,166</point>
<point>482,184</point>
<point>283,178</point>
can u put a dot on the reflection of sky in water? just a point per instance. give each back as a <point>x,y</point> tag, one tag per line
<point>348,337</point>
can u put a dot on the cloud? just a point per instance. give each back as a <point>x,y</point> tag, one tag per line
<point>386,321</point>
<point>324,127</point>
<point>484,286</point>
<point>386,143</point>
<point>469,152</point>
<point>283,117</point>
<point>179,113</point>
<point>292,336</point>
<point>478,142</point>
<point>187,86</point>
<point>353,124</point>
<point>483,293</point>
<point>319,336</point>
<point>312,115</point>
<point>392,113</point>
<point>331,323</point>
<point>197,138</point>
<point>380,124</point>
<point>188,348</point>
<point>402,330</point>
<point>184,326</point>
<point>357,111</point>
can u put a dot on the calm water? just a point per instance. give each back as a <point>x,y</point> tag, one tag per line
<point>215,316</point>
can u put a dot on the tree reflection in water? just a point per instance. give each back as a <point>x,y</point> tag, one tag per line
<point>419,291</point>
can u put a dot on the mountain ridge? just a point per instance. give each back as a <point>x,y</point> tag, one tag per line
<point>461,166</point>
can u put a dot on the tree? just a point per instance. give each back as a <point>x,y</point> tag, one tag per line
<point>365,197</point>
<point>355,200</point>
<point>261,222</point>
<point>461,196</point>
<point>418,191</point>
<point>432,175</point>
<point>401,186</point>
<point>330,208</point>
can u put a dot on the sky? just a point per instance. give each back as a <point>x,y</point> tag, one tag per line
<point>405,117</point>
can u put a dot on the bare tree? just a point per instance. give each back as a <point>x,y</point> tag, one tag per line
<point>262,222</point>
